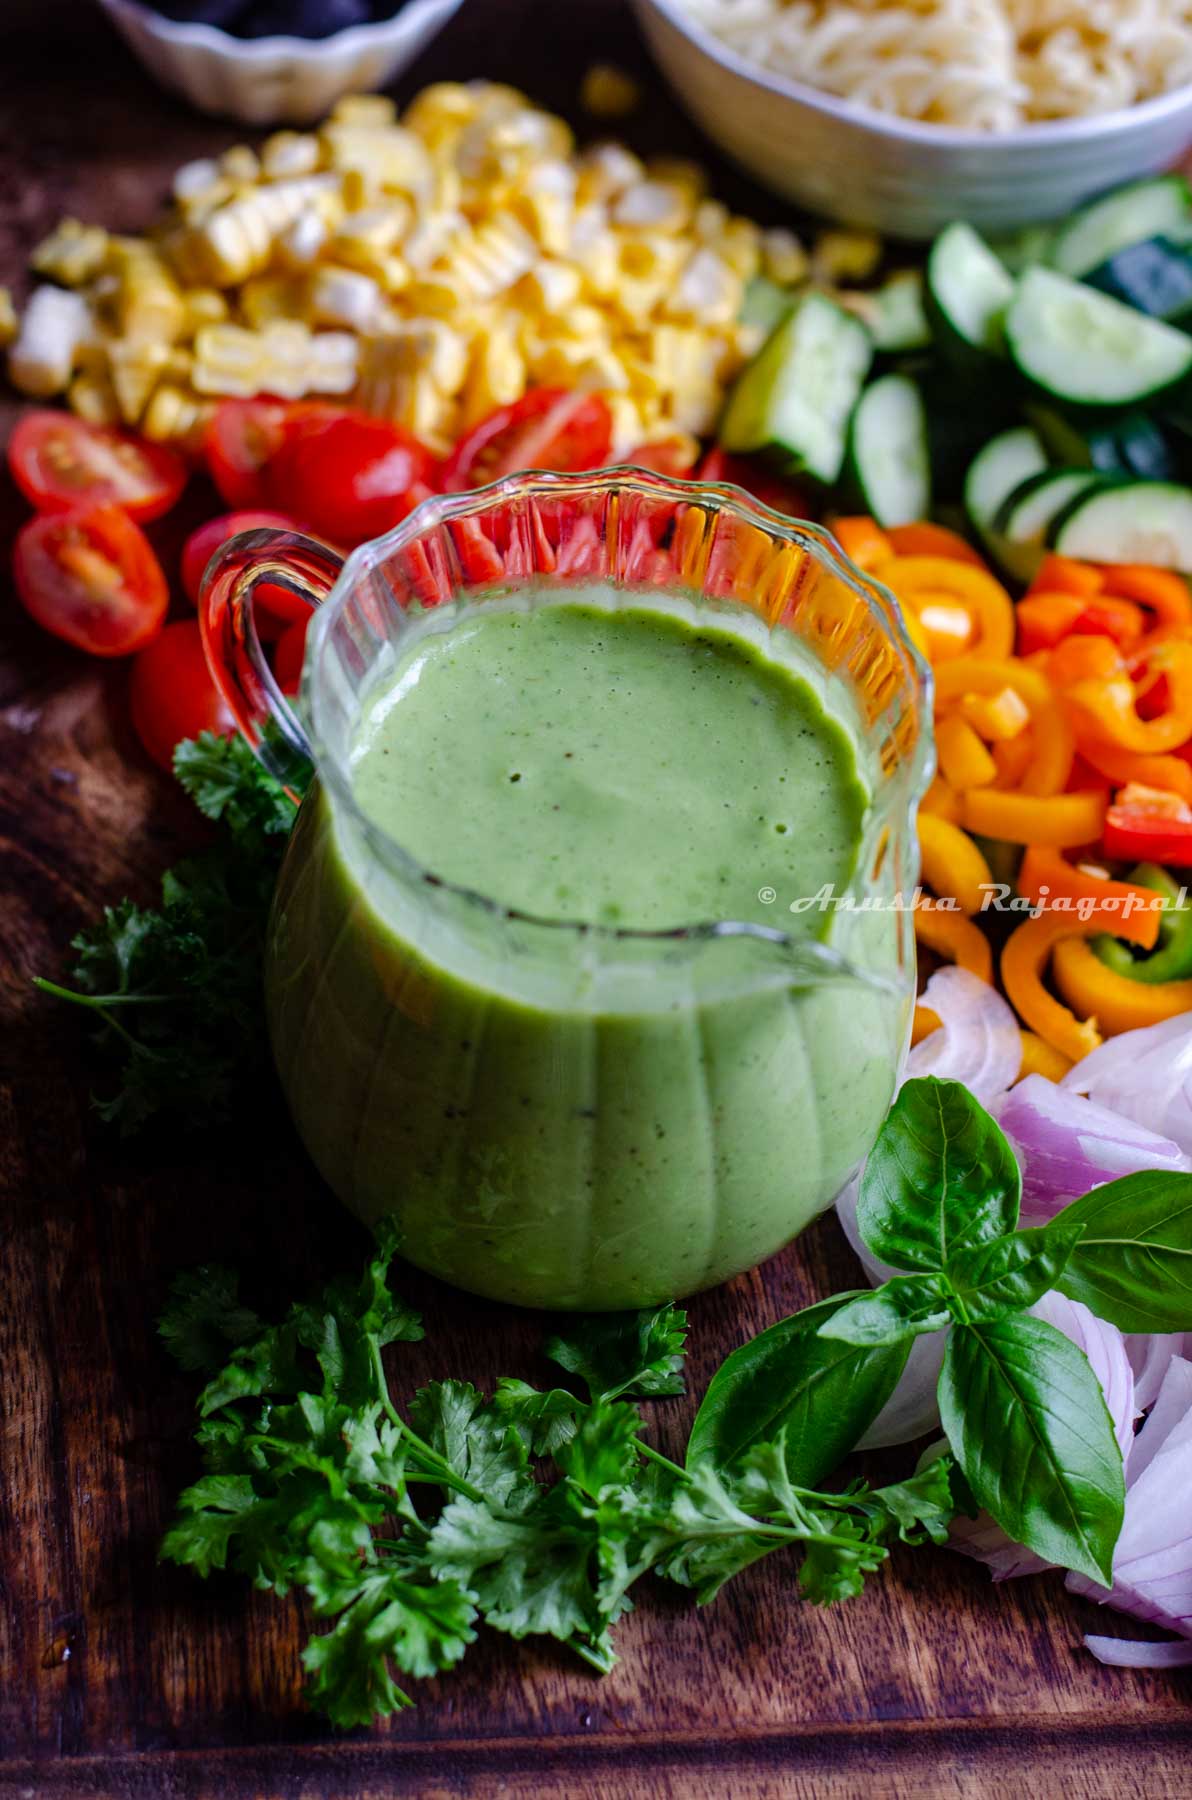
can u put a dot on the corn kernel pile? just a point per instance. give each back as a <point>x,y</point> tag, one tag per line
<point>431,269</point>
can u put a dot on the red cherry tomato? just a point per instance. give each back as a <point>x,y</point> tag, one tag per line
<point>288,654</point>
<point>275,607</point>
<point>756,479</point>
<point>548,428</point>
<point>243,436</point>
<point>90,577</point>
<point>348,477</point>
<point>171,693</point>
<point>60,462</point>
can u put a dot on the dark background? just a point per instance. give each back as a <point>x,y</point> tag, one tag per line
<point>120,1678</point>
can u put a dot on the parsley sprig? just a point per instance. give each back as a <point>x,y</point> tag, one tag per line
<point>533,1512</point>
<point>176,989</point>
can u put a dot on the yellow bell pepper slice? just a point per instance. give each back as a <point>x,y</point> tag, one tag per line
<point>1061,821</point>
<point>963,758</point>
<point>1041,1058</point>
<point>953,936</point>
<point>930,581</point>
<point>1118,1003</point>
<point>1052,738</point>
<point>952,864</point>
<point>1025,956</point>
<point>942,800</point>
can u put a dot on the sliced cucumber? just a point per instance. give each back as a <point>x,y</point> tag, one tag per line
<point>794,400</point>
<point>1019,250</point>
<point>1005,463</point>
<point>1141,209</point>
<point>1027,514</point>
<point>968,290</point>
<point>888,458</point>
<point>765,303</point>
<point>1130,444</point>
<point>1155,277</point>
<point>1137,522</point>
<point>897,316</point>
<point>1086,349</point>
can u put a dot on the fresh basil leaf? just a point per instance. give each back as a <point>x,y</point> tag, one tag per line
<point>941,1178</point>
<point>1133,1265</point>
<point>822,1393</point>
<point>901,1308</point>
<point>1029,1426</point>
<point>1011,1273</point>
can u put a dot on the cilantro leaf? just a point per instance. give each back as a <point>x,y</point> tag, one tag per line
<point>547,1419</point>
<point>617,1354</point>
<point>204,1316</point>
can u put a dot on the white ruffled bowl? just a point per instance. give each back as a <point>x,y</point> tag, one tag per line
<point>898,176</point>
<point>275,80</point>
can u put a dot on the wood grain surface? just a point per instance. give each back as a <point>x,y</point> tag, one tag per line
<point>121,1678</point>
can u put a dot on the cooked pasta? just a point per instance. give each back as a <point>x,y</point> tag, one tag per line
<point>982,65</point>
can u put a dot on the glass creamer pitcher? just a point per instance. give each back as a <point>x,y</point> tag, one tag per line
<point>560,1114</point>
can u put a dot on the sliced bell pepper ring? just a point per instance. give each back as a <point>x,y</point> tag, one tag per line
<point>1149,824</point>
<point>1044,874</point>
<point>1122,767</point>
<point>1062,821</point>
<point>862,540</point>
<point>923,581</point>
<point>1042,1058</point>
<point>963,758</point>
<point>1104,708</point>
<point>1171,959</point>
<point>1012,759</point>
<point>1052,738</point>
<point>952,864</point>
<point>1162,591</point>
<point>1118,1001</point>
<point>1111,617</point>
<point>942,800</point>
<point>924,538</point>
<point>1060,575</point>
<point>998,718</point>
<point>1044,620</point>
<point>1024,959</point>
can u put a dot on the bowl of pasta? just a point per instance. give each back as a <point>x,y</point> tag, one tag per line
<point>902,115</point>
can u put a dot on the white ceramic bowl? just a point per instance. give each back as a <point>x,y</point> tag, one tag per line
<point>275,80</point>
<point>894,175</point>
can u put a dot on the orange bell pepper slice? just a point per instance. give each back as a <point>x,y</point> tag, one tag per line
<point>922,581</point>
<point>924,538</point>
<point>1060,575</point>
<point>1025,957</point>
<point>1044,619</point>
<point>1161,591</point>
<point>1117,1003</point>
<point>942,800</point>
<point>1105,708</point>
<point>953,936</point>
<point>1122,620</point>
<point>1045,874</point>
<point>862,540</point>
<point>1012,758</point>
<point>1122,767</point>
<point>1061,821</point>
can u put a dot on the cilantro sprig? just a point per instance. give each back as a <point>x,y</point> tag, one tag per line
<point>176,989</point>
<point>532,1512</point>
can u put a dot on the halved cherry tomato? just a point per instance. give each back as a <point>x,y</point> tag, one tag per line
<point>242,438</point>
<point>90,576</point>
<point>348,476</point>
<point>756,479</point>
<point>667,456</point>
<point>288,654</point>
<point>171,694</point>
<point>60,462</point>
<point>275,608</point>
<point>548,428</point>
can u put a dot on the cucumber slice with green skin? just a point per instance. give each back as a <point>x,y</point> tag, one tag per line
<point>794,400</point>
<point>888,460</point>
<point>1005,463</point>
<point>897,315</point>
<point>1131,444</point>
<point>1027,514</point>
<point>1081,347</point>
<point>765,303</point>
<point>968,291</point>
<point>1142,209</point>
<point>1136,522</point>
<point>1155,277</point>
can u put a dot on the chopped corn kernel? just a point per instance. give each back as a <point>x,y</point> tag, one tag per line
<point>608,92</point>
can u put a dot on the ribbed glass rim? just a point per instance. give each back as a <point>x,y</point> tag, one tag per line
<point>441,509</point>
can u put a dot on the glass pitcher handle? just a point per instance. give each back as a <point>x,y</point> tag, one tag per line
<point>235,656</point>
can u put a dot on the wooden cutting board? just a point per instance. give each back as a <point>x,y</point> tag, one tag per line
<point>119,1678</point>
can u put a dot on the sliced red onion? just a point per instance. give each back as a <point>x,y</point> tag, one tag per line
<point>1145,1076</point>
<point>1149,1356</point>
<point>985,1541</point>
<point>912,1409</point>
<point>846,1211</point>
<point>1152,1564</point>
<point>1067,1145</point>
<point>978,1041</point>
<point>1126,1653</point>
